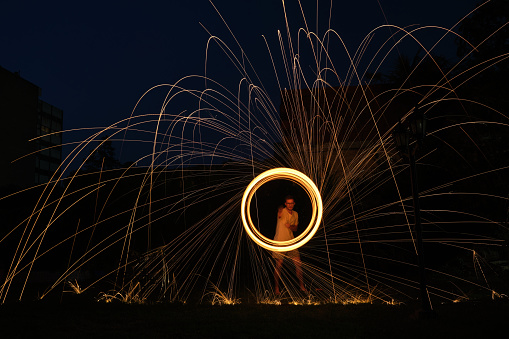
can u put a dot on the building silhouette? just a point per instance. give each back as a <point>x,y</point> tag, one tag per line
<point>342,126</point>
<point>30,135</point>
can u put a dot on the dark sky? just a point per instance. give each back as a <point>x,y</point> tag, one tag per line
<point>94,59</point>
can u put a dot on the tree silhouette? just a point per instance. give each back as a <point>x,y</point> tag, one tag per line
<point>487,30</point>
<point>486,53</point>
<point>420,71</point>
<point>102,158</point>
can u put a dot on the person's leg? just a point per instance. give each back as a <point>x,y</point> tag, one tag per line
<point>298,272</point>
<point>277,273</point>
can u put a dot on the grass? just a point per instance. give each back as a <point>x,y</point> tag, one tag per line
<point>78,317</point>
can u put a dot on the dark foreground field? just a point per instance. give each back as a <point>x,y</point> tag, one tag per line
<point>78,319</point>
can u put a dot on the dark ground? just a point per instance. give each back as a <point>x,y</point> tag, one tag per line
<point>79,319</point>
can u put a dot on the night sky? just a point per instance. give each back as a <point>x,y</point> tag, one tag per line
<point>95,59</point>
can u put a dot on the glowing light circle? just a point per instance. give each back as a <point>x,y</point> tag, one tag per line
<point>316,203</point>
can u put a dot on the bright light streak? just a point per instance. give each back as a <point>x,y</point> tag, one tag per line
<point>316,203</point>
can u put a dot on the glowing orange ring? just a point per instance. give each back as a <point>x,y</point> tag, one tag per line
<point>316,204</point>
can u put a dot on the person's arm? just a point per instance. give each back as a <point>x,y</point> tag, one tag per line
<point>287,219</point>
<point>294,227</point>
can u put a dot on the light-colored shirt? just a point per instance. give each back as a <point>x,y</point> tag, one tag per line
<point>284,233</point>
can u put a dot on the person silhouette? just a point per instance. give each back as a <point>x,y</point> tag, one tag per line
<point>287,223</point>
